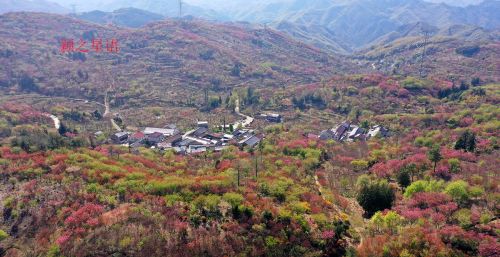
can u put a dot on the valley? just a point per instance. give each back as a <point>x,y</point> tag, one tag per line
<point>284,128</point>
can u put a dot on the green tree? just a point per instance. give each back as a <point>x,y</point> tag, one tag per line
<point>434,155</point>
<point>404,179</point>
<point>375,196</point>
<point>458,190</point>
<point>62,129</point>
<point>3,235</point>
<point>466,142</point>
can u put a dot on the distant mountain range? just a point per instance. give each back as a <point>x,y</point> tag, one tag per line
<point>126,17</point>
<point>355,24</point>
<point>342,26</point>
<point>31,6</point>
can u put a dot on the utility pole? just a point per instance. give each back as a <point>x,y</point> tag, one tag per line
<point>424,51</point>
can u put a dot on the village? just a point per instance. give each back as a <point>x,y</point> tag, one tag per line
<point>348,132</point>
<point>198,140</point>
<point>202,138</point>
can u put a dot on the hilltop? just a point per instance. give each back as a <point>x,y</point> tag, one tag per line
<point>125,17</point>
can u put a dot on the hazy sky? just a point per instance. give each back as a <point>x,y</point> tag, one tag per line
<point>215,3</point>
<point>221,6</point>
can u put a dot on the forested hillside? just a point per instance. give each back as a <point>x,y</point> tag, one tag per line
<point>182,54</point>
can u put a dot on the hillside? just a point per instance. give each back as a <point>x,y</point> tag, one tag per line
<point>430,188</point>
<point>185,55</point>
<point>453,52</point>
<point>355,24</point>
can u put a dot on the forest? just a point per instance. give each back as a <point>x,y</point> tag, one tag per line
<point>430,189</point>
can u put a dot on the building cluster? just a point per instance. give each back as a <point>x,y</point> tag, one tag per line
<point>200,139</point>
<point>349,132</point>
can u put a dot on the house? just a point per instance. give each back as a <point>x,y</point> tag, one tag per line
<point>202,124</point>
<point>169,142</point>
<point>155,138</point>
<point>274,117</point>
<point>168,132</point>
<point>377,131</point>
<point>227,137</point>
<point>197,148</point>
<point>270,117</point>
<point>251,141</point>
<point>356,133</point>
<point>120,137</point>
<point>136,137</point>
<point>199,132</point>
<point>242,133</point>
<point>340,131</point>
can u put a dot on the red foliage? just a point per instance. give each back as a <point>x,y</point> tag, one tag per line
<point>147,163</point>
<point>436,206</point>
<point>85,216</point>
<point>466,122</point>
<point>461,155</point>
<point>224,165</point>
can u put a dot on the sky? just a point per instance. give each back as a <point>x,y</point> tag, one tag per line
<point>212,4</point>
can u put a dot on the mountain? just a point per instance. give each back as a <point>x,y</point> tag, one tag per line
<point>30,6</point>
<point>457,51</point>
<point>457,2</point>
<point>356,24</point>
<point>180,56</point>
<point>126,17</point>
<point>168,8</point>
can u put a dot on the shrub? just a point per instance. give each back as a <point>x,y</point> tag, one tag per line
<point>458,191</point>
<point>404,179</point>
<point>359,165</point>
<point>3,235</point>
<point>301,207</point>
<point>170,200</point>
<point>466,142</point>
<point>454,165</point>
<point>423,186</point>
<point>233,198</point>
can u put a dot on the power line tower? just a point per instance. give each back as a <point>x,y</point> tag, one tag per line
<point>427,35</point>
<point>180,8</point>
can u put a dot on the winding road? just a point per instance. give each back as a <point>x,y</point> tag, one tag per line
<point>57,122</point>
<point>243,123</point>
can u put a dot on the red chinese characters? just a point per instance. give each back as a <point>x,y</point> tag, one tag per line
<point>96,45</point>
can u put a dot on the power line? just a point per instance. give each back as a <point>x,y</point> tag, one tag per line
<point>424,51</point>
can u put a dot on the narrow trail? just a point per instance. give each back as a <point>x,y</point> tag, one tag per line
<point>107,113</point>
